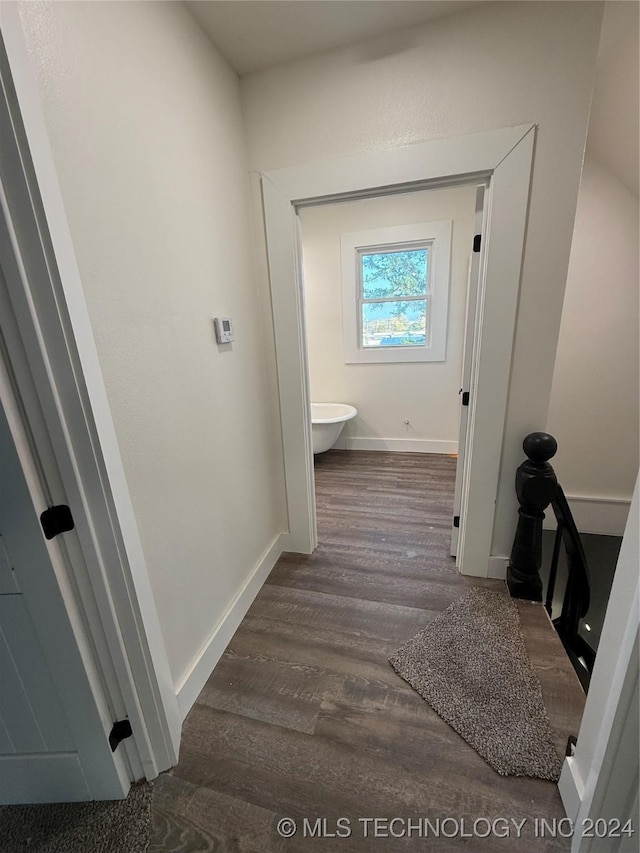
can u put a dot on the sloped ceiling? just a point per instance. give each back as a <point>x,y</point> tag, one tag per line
<point>254,35</point>
<point>613,126</point>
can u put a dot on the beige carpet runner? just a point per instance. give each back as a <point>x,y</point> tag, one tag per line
<point>472,667</point>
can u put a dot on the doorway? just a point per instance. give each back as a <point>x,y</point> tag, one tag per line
<point>389,289</point>
<point>504,159</point>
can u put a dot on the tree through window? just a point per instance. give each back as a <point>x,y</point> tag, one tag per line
<point>394,297</point>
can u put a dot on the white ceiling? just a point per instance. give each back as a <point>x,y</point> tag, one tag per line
<point>256,34</point>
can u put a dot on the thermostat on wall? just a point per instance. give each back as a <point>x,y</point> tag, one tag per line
<point>224,330</point>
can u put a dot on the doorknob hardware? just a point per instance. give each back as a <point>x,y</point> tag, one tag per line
<point>55,520</point>
<point>121,731</point>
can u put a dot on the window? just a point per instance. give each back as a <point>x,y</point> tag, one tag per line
<point>395,284</point>
<point>393,296</point>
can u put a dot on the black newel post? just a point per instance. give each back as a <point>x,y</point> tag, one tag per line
<point>535,487</point>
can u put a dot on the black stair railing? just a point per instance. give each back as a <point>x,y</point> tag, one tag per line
<point>536,488</point>
<point>577,594</point>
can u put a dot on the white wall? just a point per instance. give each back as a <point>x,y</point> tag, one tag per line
<point>594,401</point>
<point>497,65</point>
<point>145,124</point>
<point>425,394</point>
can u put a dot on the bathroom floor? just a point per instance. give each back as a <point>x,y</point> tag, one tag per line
<point>304,718</point>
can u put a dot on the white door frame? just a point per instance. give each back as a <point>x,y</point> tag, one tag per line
<point>60,383</point>
<point>505,158</point>
<point>469,350</point>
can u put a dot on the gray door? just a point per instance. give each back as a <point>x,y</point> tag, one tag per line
<point>53,737</point>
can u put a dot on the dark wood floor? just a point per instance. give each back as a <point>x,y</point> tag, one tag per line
<point>304,718</point>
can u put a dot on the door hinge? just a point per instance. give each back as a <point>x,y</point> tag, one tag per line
<point>120,731</point>
<point>477,242</point>
<point>465,398</point>
<point>56,519</point>
<point>456,521</point>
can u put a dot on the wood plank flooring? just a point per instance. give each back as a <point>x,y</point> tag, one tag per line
<point>304,718</point>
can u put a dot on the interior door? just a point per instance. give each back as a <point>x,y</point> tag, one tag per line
<point>470,336</point>
<point>53,734</point>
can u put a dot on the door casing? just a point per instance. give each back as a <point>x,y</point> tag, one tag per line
<point>54,358</point>
<point>502,157</point>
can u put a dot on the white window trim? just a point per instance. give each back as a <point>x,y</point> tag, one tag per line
<point>434,235</point>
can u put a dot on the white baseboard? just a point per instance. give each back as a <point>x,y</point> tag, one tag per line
<point>605,516</point>
<point>197,674</point>
<point>498,567</point>
<point>397,445</point>
<point>571,788</point>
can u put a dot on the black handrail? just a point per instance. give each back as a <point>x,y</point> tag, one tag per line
<point>577,595</point>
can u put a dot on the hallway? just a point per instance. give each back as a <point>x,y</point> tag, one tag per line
<point>304,718</point>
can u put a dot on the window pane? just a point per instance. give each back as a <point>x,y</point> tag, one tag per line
<point>388,274</point>
<point>394,324</point>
